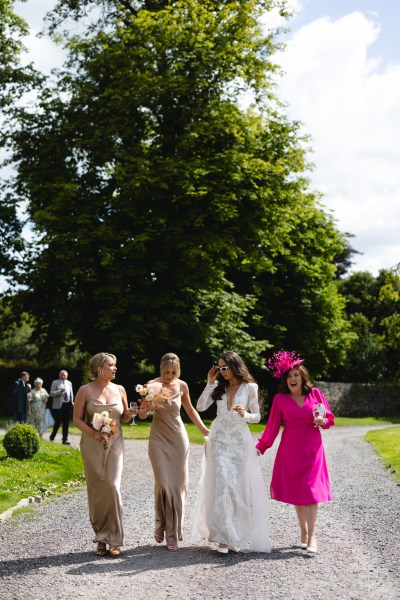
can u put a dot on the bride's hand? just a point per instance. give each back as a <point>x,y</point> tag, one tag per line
<point>239,409</point>
<point>212,375</point>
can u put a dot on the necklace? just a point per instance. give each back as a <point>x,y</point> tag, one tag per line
<point>298,399</point>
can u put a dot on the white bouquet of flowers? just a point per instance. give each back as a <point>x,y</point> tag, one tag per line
<point>105,424</point>
<point>154,393</point>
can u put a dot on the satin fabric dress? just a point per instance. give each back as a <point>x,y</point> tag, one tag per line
<point>300,473</point>
<point>169,453</point>
<point>232,504</point>
<point>103,471</point>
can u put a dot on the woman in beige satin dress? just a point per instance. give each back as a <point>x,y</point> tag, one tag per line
<point>102,454</point>
<point>169,451</point>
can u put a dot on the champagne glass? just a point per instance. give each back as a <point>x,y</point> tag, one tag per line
<point>319,411</point>
<point>134,406</point>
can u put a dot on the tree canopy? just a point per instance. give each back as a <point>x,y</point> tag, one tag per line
<point>373,310</point>
<point>166,215</point>
<point>15,80</point>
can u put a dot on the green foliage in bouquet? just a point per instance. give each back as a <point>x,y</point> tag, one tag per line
<point>21,441</point>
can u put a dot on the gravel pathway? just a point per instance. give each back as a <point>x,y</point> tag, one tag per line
<point>48,553</point>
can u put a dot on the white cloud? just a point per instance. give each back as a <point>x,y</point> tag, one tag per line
<point>349,104</point>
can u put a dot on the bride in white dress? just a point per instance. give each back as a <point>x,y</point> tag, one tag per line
<point>231,508</point>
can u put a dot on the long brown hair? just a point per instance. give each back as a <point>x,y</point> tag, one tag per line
<point>238,368</point>
<point>306,385</point>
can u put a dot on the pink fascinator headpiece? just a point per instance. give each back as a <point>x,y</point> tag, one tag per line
<point>281,362</point>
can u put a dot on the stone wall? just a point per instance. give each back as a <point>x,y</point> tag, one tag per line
<point>362,399</point>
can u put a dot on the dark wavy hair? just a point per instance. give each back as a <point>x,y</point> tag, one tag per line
<point>306,385</point>
<point>239,369</point>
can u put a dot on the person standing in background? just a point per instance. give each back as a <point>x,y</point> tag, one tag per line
<point>63,401</point>
<point>20,405</point>
<point>37,406</point>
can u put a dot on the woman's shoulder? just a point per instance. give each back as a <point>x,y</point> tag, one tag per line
<point>85,386</point>
<point>83,390</point>
<point>252,384</point>
<point>316,391</point>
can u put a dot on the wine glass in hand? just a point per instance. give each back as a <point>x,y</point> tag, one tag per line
<point>319,411</point>
<point>134,408</point>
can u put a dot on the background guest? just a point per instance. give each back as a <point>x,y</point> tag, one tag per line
<point>20,403</point>
<point>63,400</point>
<point>37,406</point>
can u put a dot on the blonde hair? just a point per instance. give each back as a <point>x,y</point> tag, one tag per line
<point>170,360</point>
<point>97,361</point>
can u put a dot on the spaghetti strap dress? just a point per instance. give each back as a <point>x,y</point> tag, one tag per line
<point>169,454</point>
<point>103,471</point>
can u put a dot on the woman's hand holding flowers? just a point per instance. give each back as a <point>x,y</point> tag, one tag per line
<point>104,426</point>
<point>153,396</point>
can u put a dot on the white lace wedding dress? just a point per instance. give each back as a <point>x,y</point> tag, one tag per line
<point>232,500</point>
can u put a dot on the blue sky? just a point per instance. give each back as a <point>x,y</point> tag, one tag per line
<point>387,14</point>
<point>342,81</point>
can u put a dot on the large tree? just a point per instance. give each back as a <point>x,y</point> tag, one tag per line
<point>373,311</point>
<point>157,196</point>
<point>15,80</point>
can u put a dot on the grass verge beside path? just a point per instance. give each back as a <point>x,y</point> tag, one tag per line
<point>386,443</point>
<point>52,471</point>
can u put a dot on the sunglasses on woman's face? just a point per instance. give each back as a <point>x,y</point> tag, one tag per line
<point>222,369</point>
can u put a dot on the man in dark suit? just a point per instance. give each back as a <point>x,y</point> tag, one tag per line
<point>20,404</point>
<point>63,401</point>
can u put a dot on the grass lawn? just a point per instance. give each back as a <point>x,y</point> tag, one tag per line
<point>52,471</point>
<point>386,442</point>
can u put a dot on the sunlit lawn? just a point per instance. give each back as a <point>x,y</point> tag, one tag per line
<point>52,471</point>
<point>387,444</point>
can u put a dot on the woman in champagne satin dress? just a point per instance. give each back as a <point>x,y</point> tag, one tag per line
<point>102,453</point>
<point>169,451</point>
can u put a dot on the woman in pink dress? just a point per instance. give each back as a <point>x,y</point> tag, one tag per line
<point>300,474</point>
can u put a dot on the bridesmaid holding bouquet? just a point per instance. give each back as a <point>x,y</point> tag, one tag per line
<point>99,408</point>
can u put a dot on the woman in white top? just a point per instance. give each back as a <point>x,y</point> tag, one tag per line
<point>232,504</point>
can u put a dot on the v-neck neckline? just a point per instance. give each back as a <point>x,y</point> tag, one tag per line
<point>296,403</point>
<point>227,399</point>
